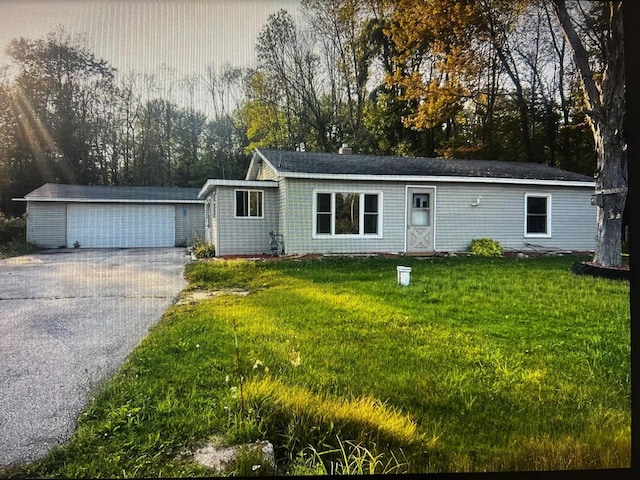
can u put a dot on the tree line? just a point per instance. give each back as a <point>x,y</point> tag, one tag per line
<point>485,79</point>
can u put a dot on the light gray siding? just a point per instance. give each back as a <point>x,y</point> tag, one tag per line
<point>47,223</point>
<point>242,236</point>
<point>299,219</point>
<point>459,217</point>
<point>265,172</point>
<point>500,215</point>
<point>189,223</point>
<point>211,223</point>
<point>282,211</point>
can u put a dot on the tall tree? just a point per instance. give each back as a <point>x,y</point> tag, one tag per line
<point>57,83</point>
<point>443,38</point>
<point>603,83</point>
<point>225,135</point>
<point>288,57</point>
<point>348,54</point>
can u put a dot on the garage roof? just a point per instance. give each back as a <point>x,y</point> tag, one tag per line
<point>56,192</point>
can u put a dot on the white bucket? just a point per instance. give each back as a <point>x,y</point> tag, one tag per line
<point>404,275</point>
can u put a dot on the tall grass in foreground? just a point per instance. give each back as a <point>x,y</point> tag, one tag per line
<point>478,365</point>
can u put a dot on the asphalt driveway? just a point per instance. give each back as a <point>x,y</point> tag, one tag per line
<point>68,319</point>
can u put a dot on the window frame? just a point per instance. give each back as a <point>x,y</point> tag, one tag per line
<point>361,214</point>
<point>426,209</point>
<point>548,198</point>
<point>249,191</point>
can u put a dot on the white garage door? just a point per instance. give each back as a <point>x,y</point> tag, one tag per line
<point>120,225</point>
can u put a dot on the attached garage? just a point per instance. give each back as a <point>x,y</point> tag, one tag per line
<point>113,217</point>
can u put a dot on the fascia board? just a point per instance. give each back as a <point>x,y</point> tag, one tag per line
<point>214,182</point>
<point>240,183</point>
<point>446,179</point>
<point>102,200</point>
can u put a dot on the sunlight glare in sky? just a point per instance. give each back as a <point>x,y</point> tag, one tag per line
<point>146,36</point>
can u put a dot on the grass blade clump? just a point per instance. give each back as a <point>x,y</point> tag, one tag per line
<point>298,420</point>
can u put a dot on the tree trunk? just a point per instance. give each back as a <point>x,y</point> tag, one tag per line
<point>611,188</point>
<point>606,110</point>
<point>611,148</point>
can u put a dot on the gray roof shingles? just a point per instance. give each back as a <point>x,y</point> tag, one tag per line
<point>351,164</point>
<point>93,192</point>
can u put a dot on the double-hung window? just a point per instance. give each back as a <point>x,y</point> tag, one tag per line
<point>249,204</point>
<point>537,215</point>
<point>324,213</point>
<point>347,213</point>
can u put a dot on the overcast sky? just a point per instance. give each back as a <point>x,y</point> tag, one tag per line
<point>146,35</point>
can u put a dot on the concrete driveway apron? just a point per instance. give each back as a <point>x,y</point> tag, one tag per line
<point>68,319</point>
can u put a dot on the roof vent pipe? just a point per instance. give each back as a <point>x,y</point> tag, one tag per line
<point>345,149</point>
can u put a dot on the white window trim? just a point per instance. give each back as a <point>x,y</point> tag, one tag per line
<point>333,234</point>
<point>235,204</point>
<point>549,210</point>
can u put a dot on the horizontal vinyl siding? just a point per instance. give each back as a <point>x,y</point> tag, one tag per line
<point>500,215</point>
<point>282,212</point>
<point>47,224</point>
<point>265,173</point>
<point>300,219</point>
<point>573,220</point>
<point>241,236</point>
<point>212,231</point>
<point>189,223</point>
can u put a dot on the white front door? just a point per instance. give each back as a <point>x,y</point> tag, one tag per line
<point>419,221</point>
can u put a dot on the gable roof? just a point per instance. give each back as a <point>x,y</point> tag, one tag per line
<point>56,192</point>
<point>371,167</point>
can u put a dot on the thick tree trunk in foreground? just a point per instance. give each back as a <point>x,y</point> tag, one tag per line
<point>611,188</point>
<point>606,109</point>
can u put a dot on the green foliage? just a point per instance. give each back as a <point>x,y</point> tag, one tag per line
<point>13,237</point>
<point>485,247</point>
<point>16,248</point>
<point>481,364</point>
<point>12,229</point>
<point>202,249</point>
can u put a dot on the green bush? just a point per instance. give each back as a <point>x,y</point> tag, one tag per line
<point>13,237</point>
<point>202,249</point>
<point>485,247</point>
<point>12,229</point>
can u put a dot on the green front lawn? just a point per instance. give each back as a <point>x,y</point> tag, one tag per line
<point>478,365</point>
